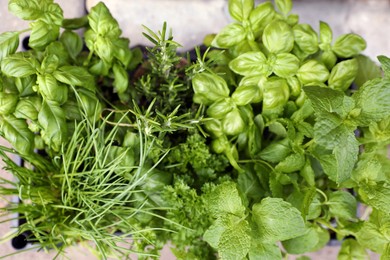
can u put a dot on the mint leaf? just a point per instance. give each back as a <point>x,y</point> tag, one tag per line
<point>376,195</point>
<point>264,251</point>
<point>352,250</point>
<point>235,241</point>
<point>302,244</point>
<point>369,236</point>
<point>367,70</point>
<point>277,220</point>
<point>225,199</point>
<point>385,62</point>
<point>342,204</point>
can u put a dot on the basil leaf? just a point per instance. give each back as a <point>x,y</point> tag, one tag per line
<point>233,123</point>
<point>121,78</point>
<point>349,45</point>
<point>286,65</point>
<point>278,37</point>
<point>277,220</point>
<point>351,249</point>
<point>42,33</point>
<point>284,6</point>
<point>246,94</point>
<point>250,63</point>
<point>16,132</point>
<point>8,102</point>
<point>328,58</point>
<point>9,42</point>
<point>343,74</point>
<point>75,76</point>
<point>102,22</point>
<point>17,65</point>
<point>275,96</point>
<point>259,17</point>
<point>209,88</point>
<point>72,42</point>
<point>51,117</point>
<point>326,36</point>
<point>240,9</point>
<point>295,86</point>
<point>28,107</point>
<point>89,103</point>
<point>35,9</point>
<point>122,51</point>
<point>51,89</point>
<point>75,23</point>
<point>229,36</point>
<point>306,40</point>
<point>342,204</point>
<point>220,108</point>
<point>312,71</point>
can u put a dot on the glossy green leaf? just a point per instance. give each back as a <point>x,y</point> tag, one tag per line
<point>28,107</point>
<point>89,103</point>
<point>18,65</point>
<point>42,33</point>
<point>229,36</point>
<point>35,9</point>
<point>277,220</point>
<point>295,86</point>
<point>240,9</point>
<point>276,151</point>
<point>312,71</point>
<point>9,42</point>
<point>328,58</point>
<point>75,23</point>
<point>209,88</point>
<point>220,108</point>
<point>16,132</point>
<point>284,6</point>
<point>326,36</point>
<point>352,250</point>
<point>121,78</point>
<point>52,120</point>
<point>342,204</point>
<point>233,123</point>
<point>275,96</point>
<point>343,74</point>
<point>75,76</point>
<point>286,65</point>
<point>367,70</point>
<point>52,90</point>
<point>306,40</point>
<point>103,23</point>
<point>246,94</point>
<point>72,42</point>
<point>349,45</point>
<point>8,103</point>
<point>278,37</point>
<point>122,51</point>
<point>250,63</point>
<point>259,17</point>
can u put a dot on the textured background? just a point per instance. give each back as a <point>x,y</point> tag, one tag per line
<point>190,21</point>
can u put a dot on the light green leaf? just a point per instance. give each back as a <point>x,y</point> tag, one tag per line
<point>259,17</point>
<point>240,9</point>
<point>286,65</point>
<point>277,220</point>
<point>16,132</point>
<point>342,204</point>
<point>246,94</point>
<point>275,96</point>
<point>28,108</point>
<point>224,199</point>
<point>250,63</point>
<point>328,58</point>
<point>229,36</point>
<point>352,250</point>
<point>89,103</point>
<point>385,63</point>
<point>8,103</point>
<point>51,90</point>
<point>276,151</point>
<point>42,33</point>
<point>292,163</point>
<point>343,74</point>
<point>53,123</point>
<point>104,48</point>
<point>284,6</point>
<point>370,236</point>
<point>103,23</point>
<point>214,232</point>
<point>349,45</point>
<point>72,42</point>
<point>209,88</point>
<point>302,244</point>
<point>373,98</point>
<point>122,51</point>
<point>278,37</point>
<point>75,76</point>
<point>9,42</point>
<point>326,36</point>
<point>367,70</point>
<point>306,40</point>
<point>235,241</point>
<point>376,195</point>
<point>35,9</point>
<point>19,65</point>
<point>312,71</point>
<point>264,251</point>
<point>233,123</point>
<point>121,78</point>
<point>220,108</point>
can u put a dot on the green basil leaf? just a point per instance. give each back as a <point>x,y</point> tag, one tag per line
<point>229,36</point>
<point>8,102</point>
<point>349,45</point>
<point>240,9</point>
<point>209,88</point>
<point>19,65</point>
<point>42,33</point>
<point>328,58</point>
<point>326,35</point>
<point>259,17</point>
<point>104,48</point>
<point>51,90</point>
<point>295,86</point>
<point>312,71</point>
<point>233,123</point>
<point>342,204</point>
<point>49,64</point>
<point>28,108</point>
<point>286,65</point>
<point>250,63</point>
<point>75,23</point>
<point>284,6</point>
<point>220,108</point>
<point>367,70</point>
<point>58,49</point>
<point>278,37</point>
<point>214,127</point>
<point>121,78</point>
<point>277,220</point>
<point>246,94</point>
<point>16,132</point>
<point>275,96</point>
<point>9,42</point>
<point>35,9</point>
<point>351,249</point>
<point>103,23</point>
<point>75,76</point>
<point>122,51</point>
<point>25,85</point>
<point>72,42</point>
<point>89,103</point>
<point>306,40</point>
<point>343,74</point>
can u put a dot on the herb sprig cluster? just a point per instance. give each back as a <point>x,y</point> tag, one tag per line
<point>264,146</point>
